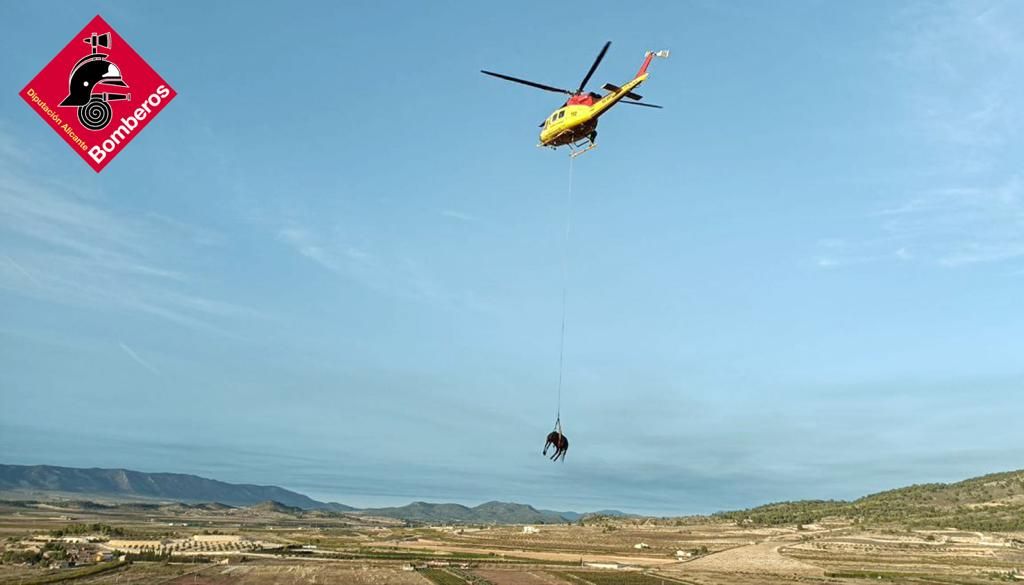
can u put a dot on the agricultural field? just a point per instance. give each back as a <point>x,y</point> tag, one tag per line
<point>518,577</point>
<point>302,574</point>
<point>182,545</point>
<point>613,578</point>
<point>443,577</point>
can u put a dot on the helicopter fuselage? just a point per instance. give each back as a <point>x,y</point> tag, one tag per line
<point>575,123</point>
<point>577,119</point>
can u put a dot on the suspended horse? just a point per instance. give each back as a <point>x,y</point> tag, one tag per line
<point>557,440</point>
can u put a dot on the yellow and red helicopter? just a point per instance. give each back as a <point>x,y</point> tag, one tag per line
<point>575,123</point>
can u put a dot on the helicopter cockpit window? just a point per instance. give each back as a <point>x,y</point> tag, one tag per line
<point>561,114</point>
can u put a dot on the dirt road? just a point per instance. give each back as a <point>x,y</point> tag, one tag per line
<point>642,561</point>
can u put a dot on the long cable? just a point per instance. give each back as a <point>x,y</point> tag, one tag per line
<point>565,294</point>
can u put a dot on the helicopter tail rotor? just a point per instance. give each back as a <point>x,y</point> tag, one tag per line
<point>647,60</point>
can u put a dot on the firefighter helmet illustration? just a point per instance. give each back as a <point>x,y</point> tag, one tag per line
<point>92,70</point>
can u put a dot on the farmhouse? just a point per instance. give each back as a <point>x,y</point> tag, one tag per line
<point>603,565</point>
<point>438,564</point>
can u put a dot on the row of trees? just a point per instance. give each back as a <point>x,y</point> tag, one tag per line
<point>96,528</point>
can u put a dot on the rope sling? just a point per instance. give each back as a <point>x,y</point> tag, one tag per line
<point>565,294</point>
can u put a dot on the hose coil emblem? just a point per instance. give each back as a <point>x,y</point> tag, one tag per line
<point>95,115</point>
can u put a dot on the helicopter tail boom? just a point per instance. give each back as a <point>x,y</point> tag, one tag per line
<point>647,60</point>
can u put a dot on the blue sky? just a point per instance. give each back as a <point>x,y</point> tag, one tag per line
<point>332,263</point>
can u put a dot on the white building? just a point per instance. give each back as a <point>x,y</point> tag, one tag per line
<point>602,565</point>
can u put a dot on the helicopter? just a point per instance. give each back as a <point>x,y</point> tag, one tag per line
<point>575,123</point>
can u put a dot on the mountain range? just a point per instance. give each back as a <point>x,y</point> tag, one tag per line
<point>129,484</point>
<point>991,502</point>
<point>123,484</point>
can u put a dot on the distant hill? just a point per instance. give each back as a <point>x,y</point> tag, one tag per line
<point>162,486</point>
<point>121,485</point>
<point>991,502</point>
<point>489,513</point>
<point>567,516</point>
<point>271,506</point>
<point>576,516</point>
<point>609,514</point>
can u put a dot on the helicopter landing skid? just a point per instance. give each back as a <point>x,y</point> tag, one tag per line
<point>575,149</point>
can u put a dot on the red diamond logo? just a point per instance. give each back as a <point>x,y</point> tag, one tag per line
<point>97,93</point>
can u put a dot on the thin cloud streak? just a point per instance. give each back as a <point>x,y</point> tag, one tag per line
<point>403,277</point>
<point>135,357</point>
<point>960,66</point>
<point>459,215</point>
<point>23,271</point>
<point>949,227</point>
<point>72,252</point>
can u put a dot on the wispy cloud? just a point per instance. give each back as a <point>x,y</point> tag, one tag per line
<point>65,246</point>
<point>135,357</point>
<point>961,72</point>
<point>338,258</point>
<point>21,270</point>
<point>964,62</point>
<point>396,275</point>
<point>459,215</point>
<point>840,253</point>
<point>948,227</point>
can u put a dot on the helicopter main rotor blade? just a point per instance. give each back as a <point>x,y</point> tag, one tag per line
<point>640,104</point>
<point>525,82</point>
<point>593,67</point>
